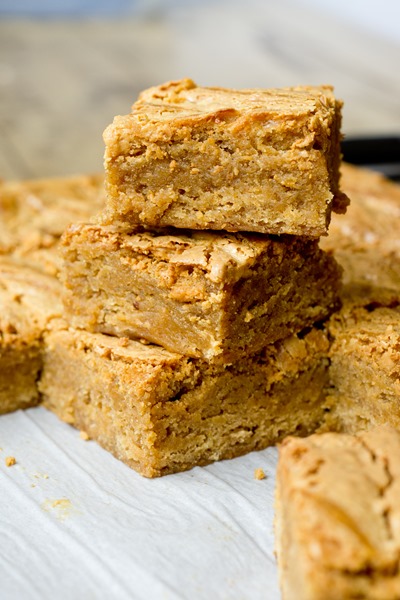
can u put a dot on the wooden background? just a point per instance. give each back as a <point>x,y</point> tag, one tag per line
<point>63,80</point>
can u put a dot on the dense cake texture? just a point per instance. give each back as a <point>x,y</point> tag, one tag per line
<point>210,294</point>
<point>235,160</point>
<point>365,335</point>
<point>366,240</point>
<point>338,515</point>
<point>29,303</point>
<point>364,372</point>
<point>34,214</point>
<point>162,412</point>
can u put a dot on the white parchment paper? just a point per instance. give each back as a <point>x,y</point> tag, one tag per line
<point>78,524</point>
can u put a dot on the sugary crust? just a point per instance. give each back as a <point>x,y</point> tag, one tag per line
<point>223,257</point>
<point>183,99</point>
<point>168,412</point>
<point>211,158</point>
<point>34,214</point>
<point>338,514</point>
<point>223,295</point>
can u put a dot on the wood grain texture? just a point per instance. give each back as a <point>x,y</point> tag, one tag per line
<point>62,81</point>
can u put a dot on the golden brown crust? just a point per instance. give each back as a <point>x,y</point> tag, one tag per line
<point>338,514</point>
<point>239,160</point>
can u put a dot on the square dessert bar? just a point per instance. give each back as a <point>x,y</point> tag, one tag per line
<point>365,368</point>
<point>34,214</point>
<point>366,241</point>
<point>216,295</point>
<point>162,412</point>
<point>29,302</point>
<point>337,516</point>
<point>237,160</point>
<point>365,351</point>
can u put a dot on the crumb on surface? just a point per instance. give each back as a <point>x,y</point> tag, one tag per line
<point>10,461</point>
<point>84,435</point>
<point>259,474</point>
<point>40,476</point>
<point>61,508</point>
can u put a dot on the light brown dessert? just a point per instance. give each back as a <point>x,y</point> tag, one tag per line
<point>34,214</point>
<point>235,160</point>
<point>338,515</point>
<point>210,294</point>
<point>365,351</point>
<point>365,368</point>
<point>29,302</point>
<point>366,240</point>
<point>161,412</point>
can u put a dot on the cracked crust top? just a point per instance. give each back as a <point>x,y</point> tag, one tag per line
<point>222,256</point>
<point>184,97</point>
<point>345,514</point>
<point>240,131</point>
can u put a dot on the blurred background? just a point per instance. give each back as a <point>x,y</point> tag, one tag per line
<point>68,66</point>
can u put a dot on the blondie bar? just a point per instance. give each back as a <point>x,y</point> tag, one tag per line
<point>216,295</point>
<point>364,376</point>
<point>236,160</point>
<point>29,302</point>
<point>366,240</point>
<point>162,412</point>
<point>338,515</point>
<point>364,373</point>
<point>34,214</point>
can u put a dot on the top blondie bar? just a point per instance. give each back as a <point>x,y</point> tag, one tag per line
<point>237,160</point>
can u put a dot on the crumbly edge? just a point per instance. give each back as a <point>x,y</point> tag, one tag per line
<point>19,372</point>
<point>216,307</point>
<point>148,142</point>
<point>155,399</point>
<point>30,305</point>
<point>364,377</point>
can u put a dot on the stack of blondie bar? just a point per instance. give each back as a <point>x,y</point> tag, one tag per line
<point>198,319</point>
<point>195,300</point>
